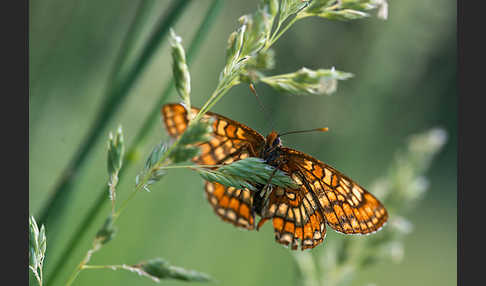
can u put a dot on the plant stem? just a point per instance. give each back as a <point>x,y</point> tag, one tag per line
<point>40,277</point>
<point>124,204</point>
<point>138,188</point>
<point>279,32</point>
<point>144,7</point>
<point>101,266</point>
<point>221,90</point>
<point>55,205</point>
<point>96,243</point>
<point>231,78</point>
<point>192,51</point>
<point>87,257</point>
<point>112,267</point>
<point>147,126</point>
<point>37,276</point>
<point>112,198</point>
<point>191,166</point>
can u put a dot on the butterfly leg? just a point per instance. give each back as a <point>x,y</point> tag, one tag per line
<point>267,189</point>
<point>266,194</point>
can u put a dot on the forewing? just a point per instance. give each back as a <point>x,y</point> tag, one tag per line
<point>230,140</point>
<point>347,207</point>
<point>232,205</point>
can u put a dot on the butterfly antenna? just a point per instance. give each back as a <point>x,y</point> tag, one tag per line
<point>269,119</point>
<point>305,131</point>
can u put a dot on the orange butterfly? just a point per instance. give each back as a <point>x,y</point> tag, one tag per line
<point>299,215</point>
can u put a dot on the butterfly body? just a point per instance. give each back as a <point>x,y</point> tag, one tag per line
<point>299,216</point>
<point>271,150</point>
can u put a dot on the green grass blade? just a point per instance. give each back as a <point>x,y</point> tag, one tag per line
<point>151,119</point>
<point>144,8</point>
<point>55,205</point>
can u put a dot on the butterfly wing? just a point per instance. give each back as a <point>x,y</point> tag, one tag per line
<point>347,207</point>
<point>230,141</point>
<point>325,196</point>
<point>297,219</point>
<point>231,204</point>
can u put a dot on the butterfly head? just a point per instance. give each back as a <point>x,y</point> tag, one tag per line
<point>272,143</point>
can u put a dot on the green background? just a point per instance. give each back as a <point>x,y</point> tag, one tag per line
<point>405,82</point>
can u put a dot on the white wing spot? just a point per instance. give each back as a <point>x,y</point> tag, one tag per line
<point>290,195</point>
<point>282,210</point>
<point>286,237</point>
<point>231,215</point>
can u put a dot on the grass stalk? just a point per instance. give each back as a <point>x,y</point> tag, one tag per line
<point>147,126</point>
<point>144,7</point>
<point>83,262</point>
<point>55,205</point>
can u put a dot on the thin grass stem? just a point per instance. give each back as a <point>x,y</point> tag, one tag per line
<point>86,259</point>
<point>147,126</point>
<point>55,205</point>
<point>275,37</point>
<point>144,7</point>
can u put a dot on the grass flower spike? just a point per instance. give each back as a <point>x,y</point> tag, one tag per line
<point>180,70</point>
<point>37,249</point>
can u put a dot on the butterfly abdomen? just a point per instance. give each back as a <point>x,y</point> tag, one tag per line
<point>258,200</point>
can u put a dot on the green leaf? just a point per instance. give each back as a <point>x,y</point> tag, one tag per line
<point>196,132</point>
<point>342,15</point>
<point>259,26</point>
<point>271,7</point>
<point>232,47</point>
<point>307,82</point>
<point>184,153</point>
<point>262,61</point>
<point>159,268</point>
<point>346,9</point>
<point>247,173</point>
<point>233,51</point>
<point>291,7</point>
<point>250,38</point>
<point>155,156</point>
<point>225,179</point>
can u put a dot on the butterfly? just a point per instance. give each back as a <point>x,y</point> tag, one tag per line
<point>299,216</point>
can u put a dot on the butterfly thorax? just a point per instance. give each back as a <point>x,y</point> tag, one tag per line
<point>270,152</point>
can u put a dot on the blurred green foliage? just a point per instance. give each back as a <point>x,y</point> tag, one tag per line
<point>404,82</point>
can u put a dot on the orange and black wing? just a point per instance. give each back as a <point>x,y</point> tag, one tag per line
<point>325,196</point>
<point>347,207</point>
<point>297,219</point>
<point>231,204</point>
<point>230,141</point>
